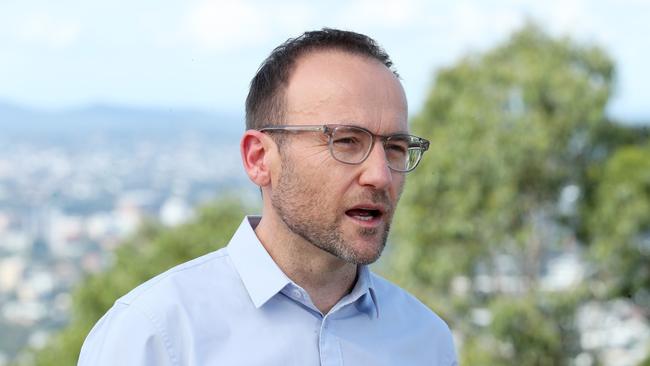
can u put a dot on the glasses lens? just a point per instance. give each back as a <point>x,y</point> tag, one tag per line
<point>403,152</point>
<point>350,144</point>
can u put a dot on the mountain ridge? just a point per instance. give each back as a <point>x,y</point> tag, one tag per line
<point>114,121</point>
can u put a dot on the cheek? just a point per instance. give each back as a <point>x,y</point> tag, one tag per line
<point>398,185</point>
<point>276,175</point>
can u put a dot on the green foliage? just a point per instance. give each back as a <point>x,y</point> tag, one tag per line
<point>645,362</point>
<point>523,334</point>
<point>608,137</point>
<point>152,250</point>
<point>509,129</point>
<point>536,329</point>
<point>620,221</point>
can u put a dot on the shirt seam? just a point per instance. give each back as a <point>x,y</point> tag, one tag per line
<point>158,328</point>
<point>165,275</point>
<point>214,255</point>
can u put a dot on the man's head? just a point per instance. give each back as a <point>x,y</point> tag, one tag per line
<point>311,191</point>
<point>265,102</point>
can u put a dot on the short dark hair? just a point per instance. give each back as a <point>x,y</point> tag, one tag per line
<point>265,101</point>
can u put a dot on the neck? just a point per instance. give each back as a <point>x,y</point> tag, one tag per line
<point>325,277</point>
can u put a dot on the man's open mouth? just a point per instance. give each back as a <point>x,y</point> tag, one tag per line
<point>364,214</point>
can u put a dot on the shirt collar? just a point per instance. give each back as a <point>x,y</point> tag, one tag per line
<point>261,276</point>
<point>365,286</point>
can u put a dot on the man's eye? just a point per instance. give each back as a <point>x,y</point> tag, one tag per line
<point>346,141</point>
<point>396,148</point>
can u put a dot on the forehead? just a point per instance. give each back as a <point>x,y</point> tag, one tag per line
<point>333,86</point>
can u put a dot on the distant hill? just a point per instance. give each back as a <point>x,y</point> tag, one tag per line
<point>109,122</point>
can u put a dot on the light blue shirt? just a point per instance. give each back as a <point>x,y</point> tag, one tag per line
<point>236,307</point>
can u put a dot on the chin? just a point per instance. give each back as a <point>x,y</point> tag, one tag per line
<point>367,260</point>
<point>366,253</point>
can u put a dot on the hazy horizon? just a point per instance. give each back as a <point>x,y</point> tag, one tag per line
<point>201,54</point>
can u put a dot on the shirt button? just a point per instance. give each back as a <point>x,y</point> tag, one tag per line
<point>297,294</point>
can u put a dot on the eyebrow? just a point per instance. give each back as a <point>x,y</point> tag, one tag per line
<point>355,124</point>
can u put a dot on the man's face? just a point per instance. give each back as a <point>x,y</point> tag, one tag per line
<point>343,209</point>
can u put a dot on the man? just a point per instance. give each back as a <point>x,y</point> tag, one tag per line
<point>327,142</point>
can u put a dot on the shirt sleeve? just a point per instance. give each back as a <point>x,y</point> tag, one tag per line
<point>452,356</point>
<point>126,336</point>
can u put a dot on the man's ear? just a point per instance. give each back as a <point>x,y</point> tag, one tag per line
<point>255,150</point>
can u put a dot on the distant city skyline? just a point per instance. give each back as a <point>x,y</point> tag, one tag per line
<point>65,205</point>
<point>202,53</point>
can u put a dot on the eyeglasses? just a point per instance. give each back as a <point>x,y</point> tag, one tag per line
<point>353,144</point>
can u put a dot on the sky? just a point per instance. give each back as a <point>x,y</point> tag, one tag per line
<point>203,53</point>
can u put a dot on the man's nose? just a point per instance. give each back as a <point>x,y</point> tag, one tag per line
<point>376,172</point>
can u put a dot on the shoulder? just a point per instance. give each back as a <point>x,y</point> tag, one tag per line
<point>169,300</point>
<point>210,270</point>
<point>394,301</point>
<point>123,336</point>
<point>153,318</point>
<point>404,314</point>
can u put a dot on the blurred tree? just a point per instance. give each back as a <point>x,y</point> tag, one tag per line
<point>522,334</point>
<point>151,251</point>
<point>646,361</point>
<point>510,131</point>
<point>507,129</point>
<point>620,223</point>
<point>608,137</point>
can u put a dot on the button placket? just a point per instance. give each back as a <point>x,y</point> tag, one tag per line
<point>330,351</point>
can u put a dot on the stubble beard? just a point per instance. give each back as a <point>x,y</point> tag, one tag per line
<point>300,207</point>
